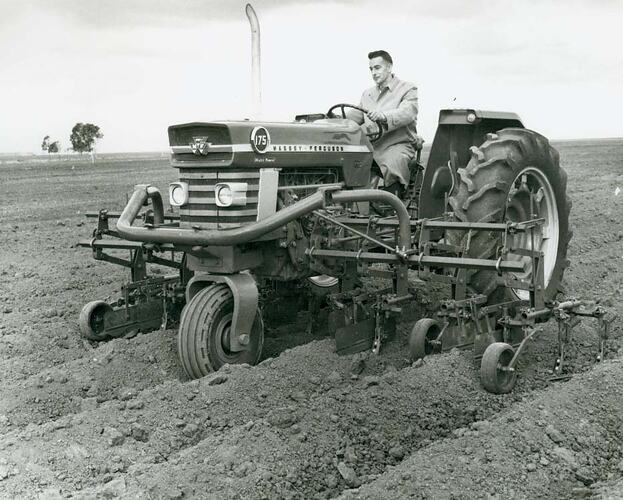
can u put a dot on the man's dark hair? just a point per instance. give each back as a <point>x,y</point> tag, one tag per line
<point>382,54</point>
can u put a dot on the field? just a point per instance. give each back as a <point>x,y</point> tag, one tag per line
<point>120,419</point>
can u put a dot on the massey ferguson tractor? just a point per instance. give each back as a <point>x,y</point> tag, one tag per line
<point>268,216</point>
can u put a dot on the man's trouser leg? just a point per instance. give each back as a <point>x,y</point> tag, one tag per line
<point>393,161</point>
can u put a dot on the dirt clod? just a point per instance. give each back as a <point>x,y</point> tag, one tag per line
<point>371,380</point>
<point>113,436</point>
<point>217,379</point>
<point>348,474</point>
<point>554,434</point>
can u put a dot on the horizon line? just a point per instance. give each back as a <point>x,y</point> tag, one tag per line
<point>161,151</point>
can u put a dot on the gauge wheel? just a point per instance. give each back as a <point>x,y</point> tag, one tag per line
<point>495,375</point>
<point>91,321</point>
<point>422,334</point>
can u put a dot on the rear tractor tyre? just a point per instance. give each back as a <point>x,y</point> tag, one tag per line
<point>205,326</point>
<point>495,375</point>
<point>423,333</point>
<point>514,176</point>
<point>91,321</point>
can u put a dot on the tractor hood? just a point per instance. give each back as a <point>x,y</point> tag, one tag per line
<point>330,142</point>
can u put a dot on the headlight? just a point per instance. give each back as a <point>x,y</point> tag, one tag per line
<point>471,118</point>
<point>178,194</point>
<point>227,194</point>
<point>224,196</point>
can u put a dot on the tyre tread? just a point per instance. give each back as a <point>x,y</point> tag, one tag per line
<point>480,195</point>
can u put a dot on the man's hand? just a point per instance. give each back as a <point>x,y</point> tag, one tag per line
<point>377,116</point>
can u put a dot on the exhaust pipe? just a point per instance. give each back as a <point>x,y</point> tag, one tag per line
<point>255,61</point>
<point>227,237</point>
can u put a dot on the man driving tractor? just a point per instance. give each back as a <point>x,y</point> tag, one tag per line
<point>393,103</point>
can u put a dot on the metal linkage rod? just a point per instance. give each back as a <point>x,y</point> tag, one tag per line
<point>354,231</point>
<point>441,224</point>
<point>310,186</point>
<point>509,266</point>
<point>346,239</point>
<point>116,215</point>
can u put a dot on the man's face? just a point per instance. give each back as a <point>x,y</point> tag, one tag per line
<point>380,70</point>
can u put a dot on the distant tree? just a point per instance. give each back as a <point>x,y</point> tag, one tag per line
<point>45,145</point>
<point>83,137</point>
<point>55,147</point>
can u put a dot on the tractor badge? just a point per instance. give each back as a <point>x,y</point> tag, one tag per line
<point>200,146</point>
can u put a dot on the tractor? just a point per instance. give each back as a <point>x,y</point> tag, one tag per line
<point>268,216</point>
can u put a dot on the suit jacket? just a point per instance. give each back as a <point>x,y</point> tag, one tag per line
<point>399,102</point>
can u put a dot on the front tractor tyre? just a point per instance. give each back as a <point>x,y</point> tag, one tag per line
<point>205,327</point>
<point>514,176</point>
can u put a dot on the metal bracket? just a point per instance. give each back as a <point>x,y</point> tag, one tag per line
<point>138,269</point>
<point>327,194</point>
<point>244,289</point>
<point>102,222</point>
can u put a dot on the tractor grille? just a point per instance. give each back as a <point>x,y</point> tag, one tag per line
<point>212,156</point>
<point>201,209</point>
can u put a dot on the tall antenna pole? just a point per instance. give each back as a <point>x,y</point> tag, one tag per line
<point>255,60</point>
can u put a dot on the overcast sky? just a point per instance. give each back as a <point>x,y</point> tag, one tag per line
<point>133,67</point>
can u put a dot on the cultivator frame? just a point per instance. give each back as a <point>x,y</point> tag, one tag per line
<point>147,302</point>
<point>384,247</point>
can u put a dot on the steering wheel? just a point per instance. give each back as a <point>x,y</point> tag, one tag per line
<point>373,136</point>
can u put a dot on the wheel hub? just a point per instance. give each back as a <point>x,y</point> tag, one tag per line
<point>223,333</point>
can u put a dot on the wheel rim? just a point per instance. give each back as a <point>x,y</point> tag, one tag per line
<point>431,335</point>
<point>222,335</point>
<point>504,377</point>
<point>324,280</point>
<point>96,321</point>
<point>532,196</point>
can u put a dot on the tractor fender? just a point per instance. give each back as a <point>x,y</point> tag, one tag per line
<point>457,131</point>
<point>244,290</point>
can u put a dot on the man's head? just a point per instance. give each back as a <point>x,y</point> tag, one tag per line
<point>381,64</point>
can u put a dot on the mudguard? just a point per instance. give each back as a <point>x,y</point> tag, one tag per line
<point>244,290</point>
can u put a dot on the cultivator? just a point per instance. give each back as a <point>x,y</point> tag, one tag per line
<point>259,221</point>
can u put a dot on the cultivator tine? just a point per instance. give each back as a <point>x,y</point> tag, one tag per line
<point>376,345</point>
<point>563,333</point>
<point>568,314</point>
<point>603,336</point>
<point>604,319</point>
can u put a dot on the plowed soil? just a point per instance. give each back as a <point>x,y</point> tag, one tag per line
<point>121,420</point>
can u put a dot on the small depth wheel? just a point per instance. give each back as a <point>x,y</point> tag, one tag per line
<point>91,321</point>
<point>494,373</point>
<point>205,327</point>
<point>423,333</point>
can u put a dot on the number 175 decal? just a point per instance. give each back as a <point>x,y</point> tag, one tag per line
<point>260,140</point>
